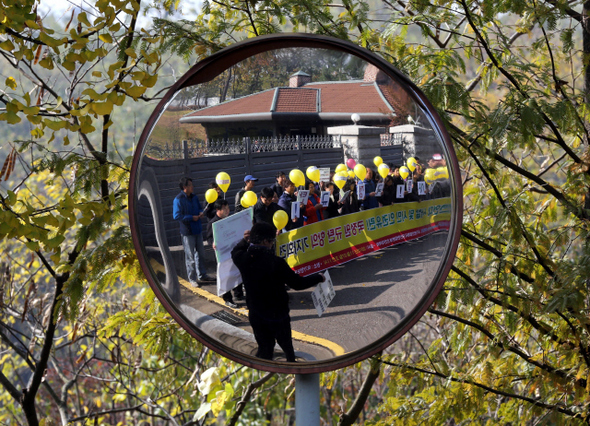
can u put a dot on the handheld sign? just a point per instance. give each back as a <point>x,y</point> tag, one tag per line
<point>325,174</point>
<point>303,196</point>
<point>226,234</point>
<point>325,198</point>
<point>323,294</point>
<point>295,210</point>
<point>421,187</point>
<point>400,191</point>
<point>379,189</point>
<point>360,191</point>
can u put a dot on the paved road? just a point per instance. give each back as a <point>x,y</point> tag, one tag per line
<point>373,294</point>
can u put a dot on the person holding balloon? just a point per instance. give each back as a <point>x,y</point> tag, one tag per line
<point>186,209</point>
<point>211,196</point>
<point>249,182</point>
<point>265,208</point>
<point>265,275</point>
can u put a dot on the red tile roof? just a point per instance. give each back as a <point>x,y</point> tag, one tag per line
<point>297,99</point>
<point>336,97</point>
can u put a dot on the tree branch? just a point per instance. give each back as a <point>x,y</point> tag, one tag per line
<point>246,397</point>
<point>556,407</point>
<point>348,418</point>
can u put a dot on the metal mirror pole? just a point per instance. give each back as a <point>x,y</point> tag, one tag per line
<point>307,399</point>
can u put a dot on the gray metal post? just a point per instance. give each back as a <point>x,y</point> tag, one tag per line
<point>307,399</point>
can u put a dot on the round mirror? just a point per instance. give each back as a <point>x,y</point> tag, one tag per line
<point>336,149</point>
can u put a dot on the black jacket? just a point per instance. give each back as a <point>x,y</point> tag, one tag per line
<point>264,275</point>
<point>210,229</point>
<point>264,213</point>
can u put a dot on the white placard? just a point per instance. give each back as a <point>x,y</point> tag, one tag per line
<point>421,187</point>
<point>379,189</point>
<point>323,294</point>
<point>302,196</point>
<point>360,191</point>
<point>400,191</point>
<point>228,276</point>
<point>229,231</point>
<point>409,185</point>
<point>325,174</point>
<point>325,198</point>
<point>295,210</point>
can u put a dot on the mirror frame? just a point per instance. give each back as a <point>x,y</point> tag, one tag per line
<point>212,66</point>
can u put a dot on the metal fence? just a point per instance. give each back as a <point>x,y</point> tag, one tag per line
<point>392,139</point>
<point>195,148</point>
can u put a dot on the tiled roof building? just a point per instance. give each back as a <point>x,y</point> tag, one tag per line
<point>303,108</point>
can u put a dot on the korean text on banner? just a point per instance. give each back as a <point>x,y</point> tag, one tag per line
<point>322,245</point>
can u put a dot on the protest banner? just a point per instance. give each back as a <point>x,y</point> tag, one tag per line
<point>322,245</point>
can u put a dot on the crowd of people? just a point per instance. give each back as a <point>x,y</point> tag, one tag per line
<point>255,256</point>
<point>283,193</point>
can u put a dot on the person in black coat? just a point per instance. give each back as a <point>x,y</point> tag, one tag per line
<point>265,208</point>
<point>387,198</point>
<point>210,209</point>
<point>334,204</point>
<point>264,275</point>
<point>351,203</point>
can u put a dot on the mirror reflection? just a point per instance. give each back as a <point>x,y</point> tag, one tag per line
<point>346,183</point>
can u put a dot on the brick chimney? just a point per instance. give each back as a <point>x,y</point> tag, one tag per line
<point>299,79</point>
<point>372,73</point>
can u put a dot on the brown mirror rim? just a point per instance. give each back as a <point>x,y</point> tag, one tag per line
<point>215,64</point>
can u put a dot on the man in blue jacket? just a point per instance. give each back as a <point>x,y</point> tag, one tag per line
<point>188,212</point>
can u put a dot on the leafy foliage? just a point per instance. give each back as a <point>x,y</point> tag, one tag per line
<point>507,340</point>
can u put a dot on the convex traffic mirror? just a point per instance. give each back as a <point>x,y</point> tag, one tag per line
<point>369,192</point>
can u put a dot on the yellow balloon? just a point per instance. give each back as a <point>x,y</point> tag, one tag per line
<point>244,203</point>
<point>250,198</point>
<point>211,195</point>
<point>341,168</point>
<point>383,170</point>
<point>441,173</point>
<point>296,176</point>
<point>429,176</point>
<point>223,181</point>
<point>313,173</point>
<point>351,174</point>
<point>412,163</point>
<point>340,179</point>
<point>280,219</point>
<point>378,161</point>
<point>360,171</point>
<point>404,172</point>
